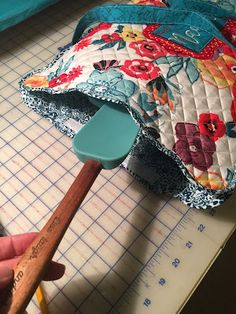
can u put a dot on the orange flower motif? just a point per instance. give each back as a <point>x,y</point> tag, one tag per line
<point>219,72</point>
<point>163,99</point>
<point>212,180</point>
<point>36,81</point>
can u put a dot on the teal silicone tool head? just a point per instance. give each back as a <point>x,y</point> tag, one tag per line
<point>107,137</point>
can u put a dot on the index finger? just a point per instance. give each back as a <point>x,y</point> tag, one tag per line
<point>15,245</point>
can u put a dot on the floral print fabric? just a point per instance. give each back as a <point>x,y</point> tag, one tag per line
<point>107,84</point>
<point>188,101</point>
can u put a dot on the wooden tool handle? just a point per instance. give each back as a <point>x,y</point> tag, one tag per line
<point>33,264</point>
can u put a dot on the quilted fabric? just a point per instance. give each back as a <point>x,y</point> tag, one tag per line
<point>183,98</point>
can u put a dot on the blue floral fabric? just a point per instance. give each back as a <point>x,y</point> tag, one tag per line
<point>109,83</point>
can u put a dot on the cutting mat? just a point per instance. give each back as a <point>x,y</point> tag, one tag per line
<point>127,250</point>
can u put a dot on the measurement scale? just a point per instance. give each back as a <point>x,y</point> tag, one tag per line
<point>172,274</point>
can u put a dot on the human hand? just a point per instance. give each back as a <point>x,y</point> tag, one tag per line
<point>11,249</point>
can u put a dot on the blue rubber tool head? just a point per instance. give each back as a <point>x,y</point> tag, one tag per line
<point>107,137</point>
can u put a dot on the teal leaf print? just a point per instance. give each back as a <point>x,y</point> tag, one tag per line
<point>59,69</point>
<point>97,42</point>
<point>179,63</point>
<point>62,68</point>
<point>191,70</point>
<point>172,59</point>
<point>145,104</point>
<point>67,64</point>
<point>51,76</point>
<point>166,60</point>
<point>151,113</point>
<point>122,44</point>
<point>230,175</point>
<point>108,45</point>
<point>119,29</point>
<point>174,69</point>
<point>231,129</point>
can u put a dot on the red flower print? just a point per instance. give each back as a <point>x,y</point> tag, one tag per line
<point>99,27</point>
<point>75,72</point>
<point>211,125</point>
<point>149,49</point>
<point>109,38</point>
<point>145,70</point>
<point>58,80</point>
<point>65,78</point>
<point>85,42</point>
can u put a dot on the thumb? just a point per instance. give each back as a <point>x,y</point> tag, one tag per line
<point>6,276</point>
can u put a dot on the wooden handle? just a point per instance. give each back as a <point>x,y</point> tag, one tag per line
<point>33,264</point>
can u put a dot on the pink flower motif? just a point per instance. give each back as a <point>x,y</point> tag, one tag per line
<point>109,38</point>
<point>142,69</point>
<point>149,49</point>
<point>160,3</point>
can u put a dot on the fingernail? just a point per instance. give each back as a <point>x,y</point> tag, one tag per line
<point>62,267</point>
<point>6,275</point>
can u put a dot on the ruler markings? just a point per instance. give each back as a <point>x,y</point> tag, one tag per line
<point>155,259</point>
<point>187,243</point>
